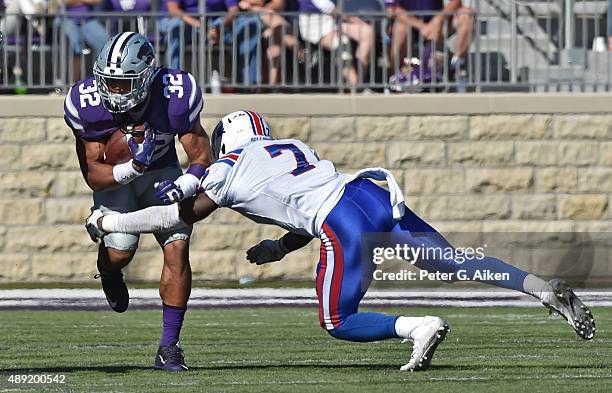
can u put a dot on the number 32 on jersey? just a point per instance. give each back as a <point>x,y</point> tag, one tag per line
<point>89,95</point>
<point>173,84</point>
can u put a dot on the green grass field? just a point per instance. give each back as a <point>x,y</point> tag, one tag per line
<point>284,350</point>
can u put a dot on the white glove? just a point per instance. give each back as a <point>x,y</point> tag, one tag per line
<point>184,187</point>
<point>267,251</point>
<point>91,224</point>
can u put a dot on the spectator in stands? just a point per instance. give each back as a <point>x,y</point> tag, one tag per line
<point>18,9</point>
<point>20,14</point>
<point>246,28</point>
<point>610,25</point>
<point>81,29</point>
<point>318,26</point>
<point>277,31</point>
<point>130,7</point>
<point>179,14</point>
<point>1,43</point>
<point>430,26</point>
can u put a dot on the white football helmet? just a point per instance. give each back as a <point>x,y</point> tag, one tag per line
<point>236,129</point>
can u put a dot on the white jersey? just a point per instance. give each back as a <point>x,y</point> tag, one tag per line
<point>283,182</point>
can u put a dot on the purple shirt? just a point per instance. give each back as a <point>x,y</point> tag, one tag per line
<point>191,6</point>
<point>422,5</point>
<point>82,8</point>
<point>131,5</point>
<point>175,104</point>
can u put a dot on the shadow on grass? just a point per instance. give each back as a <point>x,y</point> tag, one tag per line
<point>70,369</point>
<point>253,367</point>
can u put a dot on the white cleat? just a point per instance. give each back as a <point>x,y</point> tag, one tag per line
<point>426,339</point>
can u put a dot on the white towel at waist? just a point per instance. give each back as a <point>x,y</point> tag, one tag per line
<point>396,194</point>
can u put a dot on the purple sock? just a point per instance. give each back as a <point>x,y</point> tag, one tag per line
<point>173,321</point>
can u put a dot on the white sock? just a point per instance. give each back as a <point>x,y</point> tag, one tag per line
<point>535,286</point>
<point>404,326</point>
<point>152,219</point>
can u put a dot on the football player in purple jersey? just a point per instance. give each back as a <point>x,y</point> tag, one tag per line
<point>129,89</point>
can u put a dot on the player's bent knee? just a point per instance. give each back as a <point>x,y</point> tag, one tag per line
<point>119,257</point>
<point>176,253</point>
<point>339,333</point>
<point>346,334</point>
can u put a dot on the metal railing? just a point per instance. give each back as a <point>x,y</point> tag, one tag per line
<point>513,45</point>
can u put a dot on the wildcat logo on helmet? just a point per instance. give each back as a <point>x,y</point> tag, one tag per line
<point>124,71</point>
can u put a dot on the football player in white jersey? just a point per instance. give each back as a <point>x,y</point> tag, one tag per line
<point>283,182</point>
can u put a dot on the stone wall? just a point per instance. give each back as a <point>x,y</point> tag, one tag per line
<point>540,171</point>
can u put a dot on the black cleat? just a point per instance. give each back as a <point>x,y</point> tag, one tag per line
<point>170,358</point>
<point>563,301</point>
<point>114,288</point>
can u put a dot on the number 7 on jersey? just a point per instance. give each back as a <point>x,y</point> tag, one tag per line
<point>302,163</point>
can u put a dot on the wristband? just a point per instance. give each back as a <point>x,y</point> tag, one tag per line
<point>197,170</point>
<point>125,173</point>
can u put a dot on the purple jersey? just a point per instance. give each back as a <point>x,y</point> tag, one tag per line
<point>131,5</point>
<point>175,102</point>
<point>192,5</point>
<point>316,6</point>
<point>80,9</point>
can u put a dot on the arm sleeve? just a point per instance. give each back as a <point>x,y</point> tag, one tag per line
<point>151,219</point>
<point>214,183</point>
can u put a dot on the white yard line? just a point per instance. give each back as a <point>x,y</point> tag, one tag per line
<point>200,297</point>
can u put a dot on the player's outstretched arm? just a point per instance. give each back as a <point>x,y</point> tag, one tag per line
<point>275,250</point>
<point>196,209</point>
<point>151,219</point>
<point>197,147</point>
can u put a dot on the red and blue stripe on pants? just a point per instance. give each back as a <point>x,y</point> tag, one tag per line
<point>364,207</point>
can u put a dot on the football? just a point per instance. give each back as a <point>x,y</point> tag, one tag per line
<point>117,150</point>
